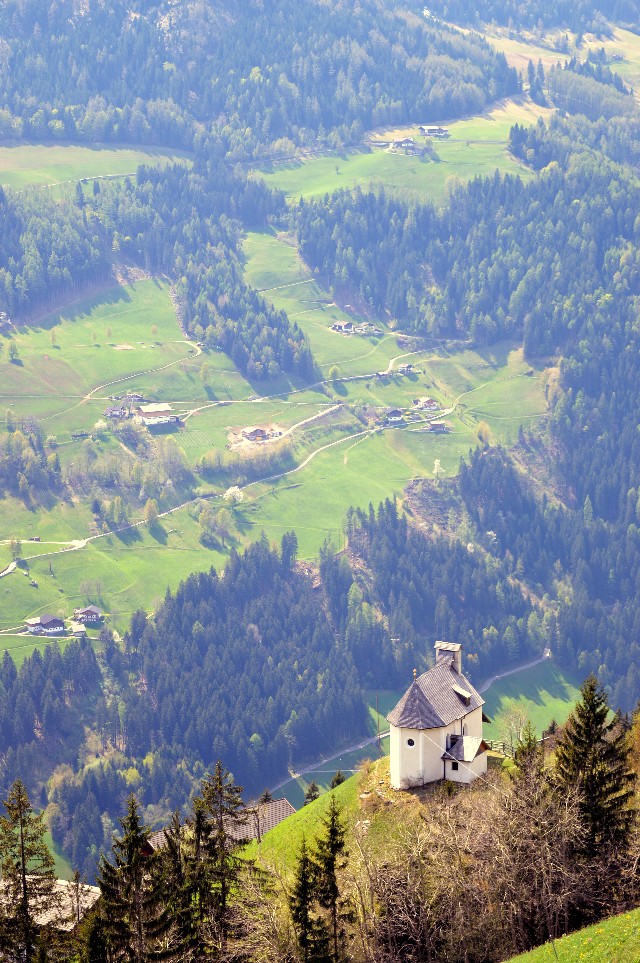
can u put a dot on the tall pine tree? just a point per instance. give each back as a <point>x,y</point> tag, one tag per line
<point>329,856</point>
<point>134,914</point>
<point>592,755</point>
<point>28,878</point>
<point>219,820</point>
<point>310,933</point>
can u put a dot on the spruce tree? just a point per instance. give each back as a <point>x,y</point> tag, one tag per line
<point>310,934</point>
<point>592,755</point>
<point>133,912</point>
<point>222,816</point>
<point>28,878</point>
<point>312,793</point>
<point>329,856</point>
<point>184,898</point>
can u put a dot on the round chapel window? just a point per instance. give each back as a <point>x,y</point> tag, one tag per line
<point>410,742</point>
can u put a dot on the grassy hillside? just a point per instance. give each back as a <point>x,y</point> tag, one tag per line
<point>521,48</point>
<point>542,693</point>
<point>24,164</point>
<point>280,846</point>
<point>347,762</point>
<point>616,940</point>
<point>335,452</point>
<point>476,147</point>
<point>127,339</point>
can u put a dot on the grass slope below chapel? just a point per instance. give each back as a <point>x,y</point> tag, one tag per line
<point>616,940</point>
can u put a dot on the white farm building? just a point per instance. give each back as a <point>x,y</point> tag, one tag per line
<point>162,414</point>
<point>436,728</point>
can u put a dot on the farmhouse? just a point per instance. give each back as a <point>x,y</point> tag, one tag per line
<point>342,327</point>
<point>89,615</point>
<point>440,427</point>
<point>116,411</point>
<point>45,625</point>
<point>255,433</point>
<point>434,131</point>
<point>394,416</point>
<point>405,142</point>
<point>436,728</point>
<point>427,404</point>
<point>161,414</point>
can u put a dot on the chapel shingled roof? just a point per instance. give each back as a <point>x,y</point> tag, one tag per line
<point>435,699</point>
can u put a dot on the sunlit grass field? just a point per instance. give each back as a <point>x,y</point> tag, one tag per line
<point>542,693</point>
<point>416,178</point>
<point>22,165</point>
<point>477,146</point>
<point>616,940</point>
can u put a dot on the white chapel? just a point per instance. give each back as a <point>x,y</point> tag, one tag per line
<point>436,728</point>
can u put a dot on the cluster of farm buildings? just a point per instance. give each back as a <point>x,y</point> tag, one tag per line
<point>149,414</point>
<point>52,625</point>
<point>409,144</point>
<point>365,328</point>
<point>396,417</point>
<point>260,433</point>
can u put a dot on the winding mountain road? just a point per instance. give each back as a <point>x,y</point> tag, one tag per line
<point>519,668</point>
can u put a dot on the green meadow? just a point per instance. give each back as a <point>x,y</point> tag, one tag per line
<point>417,178</point>
<point>496,384</point>
<point>477,146</point>
<point>22,165</point>
<point>541,693</point>
<point>374,466</point>
<point>280,846</point>
<point>118,572</point>
<point>616,940</point>
<point>93,347</point>
<point>520,49</point>
<point>275,268</point>
<point>127,339</point>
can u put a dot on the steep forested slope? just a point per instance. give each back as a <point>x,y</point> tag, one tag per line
<point>160,72</point>
<point>502,259</point>
<point>577,15</point>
